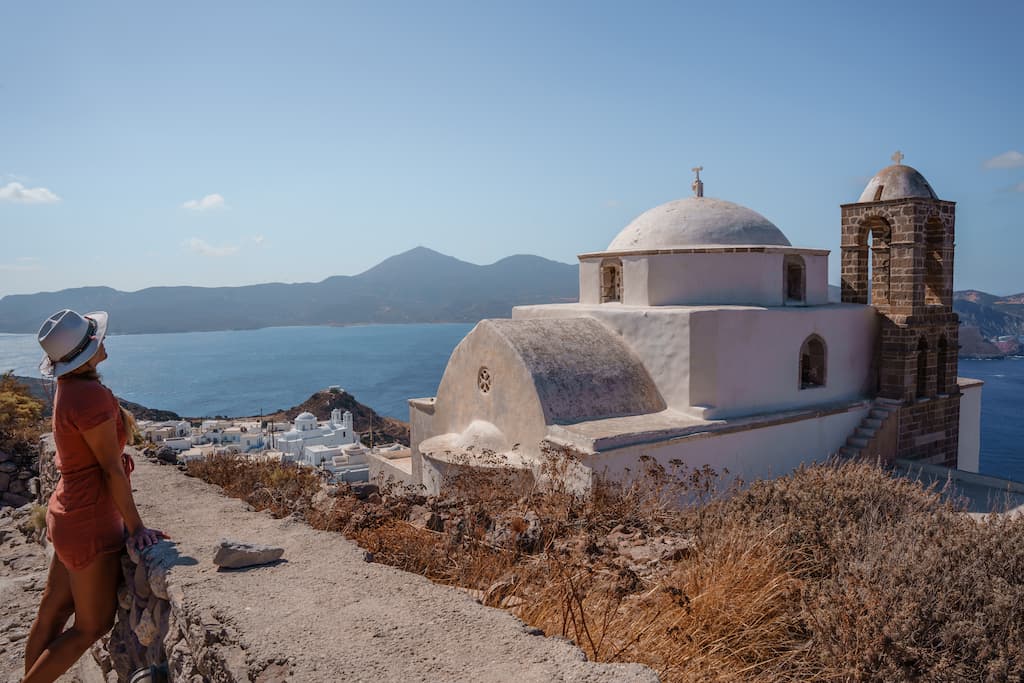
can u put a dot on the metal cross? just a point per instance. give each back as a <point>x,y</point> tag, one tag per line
<point>698,185</point>
<point>897,157</point>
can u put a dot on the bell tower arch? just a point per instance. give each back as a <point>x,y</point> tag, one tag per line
<point>907,232</point>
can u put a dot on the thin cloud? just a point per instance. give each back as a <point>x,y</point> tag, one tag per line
<point>204,248</point>
<point>207,203</point>
<point>19,194</point>
<point>1011,159</point>
<point>22,264</point>
<point>258,240</point>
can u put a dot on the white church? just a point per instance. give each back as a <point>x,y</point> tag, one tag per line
<point>702,335</point>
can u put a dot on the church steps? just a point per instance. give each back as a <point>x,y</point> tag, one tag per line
<point>873,437</point>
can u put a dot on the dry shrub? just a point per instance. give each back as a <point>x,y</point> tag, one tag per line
<point>836,572</point>
<point>283,489</point>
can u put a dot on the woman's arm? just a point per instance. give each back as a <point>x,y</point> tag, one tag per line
<point>102,440</point>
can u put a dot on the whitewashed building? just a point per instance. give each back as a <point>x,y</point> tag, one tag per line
<point>703,336</point>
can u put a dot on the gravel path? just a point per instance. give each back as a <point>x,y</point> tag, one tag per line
<point>326,614</point>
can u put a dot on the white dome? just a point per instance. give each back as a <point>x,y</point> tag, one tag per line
<point>305,417</point>
<point>697,221</point>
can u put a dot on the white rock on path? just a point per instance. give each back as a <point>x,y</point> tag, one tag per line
<point>238,554</point>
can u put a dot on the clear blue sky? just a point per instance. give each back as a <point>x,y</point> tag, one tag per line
<point>232,143</point>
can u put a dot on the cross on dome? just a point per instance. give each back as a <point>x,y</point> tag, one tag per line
<point>897,157</point>
<point>698,184</point>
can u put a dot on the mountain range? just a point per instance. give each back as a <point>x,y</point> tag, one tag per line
<point>416,286</point>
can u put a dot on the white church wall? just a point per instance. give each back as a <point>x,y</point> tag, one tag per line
<point>715,278</point>
<point>969,442</point>
<point>749,454</point>
<point>590,281</point>
<point>635,281</point>
<point>510,404</point>
<point>747,361</point>
<point>816,270</point>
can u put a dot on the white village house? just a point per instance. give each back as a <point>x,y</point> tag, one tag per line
<point>702,335</point>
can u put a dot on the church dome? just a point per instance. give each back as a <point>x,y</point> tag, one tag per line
<point>897,182</point>
<point>697,221</point>
<point>305,417</point>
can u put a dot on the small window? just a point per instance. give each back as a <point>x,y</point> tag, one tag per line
<point>796,278</point>
<point>812,363</point>
<point>878,192</point>
<point>922,368</point>
<point>940,370</point>
<point>611,280</point>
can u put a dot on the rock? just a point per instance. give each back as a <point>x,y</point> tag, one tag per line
<point>8,467</point>
<point>5,456</point>
<point>374,499</point>
<point>33,487</point>
<point>146,630</point>
<point>5,480</point>
<point>17,486</point>
<point>14,500</point>
<point>528,539</point>
<point>237,554</point>
<point>363,490</point>
<point>167,454</point>
<point>425,518</point>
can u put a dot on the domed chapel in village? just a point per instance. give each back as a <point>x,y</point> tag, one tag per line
<point>702,335</point>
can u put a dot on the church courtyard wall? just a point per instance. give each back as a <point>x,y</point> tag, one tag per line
<point>764,449</point>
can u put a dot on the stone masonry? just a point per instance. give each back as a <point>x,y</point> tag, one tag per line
<point>910,245</point>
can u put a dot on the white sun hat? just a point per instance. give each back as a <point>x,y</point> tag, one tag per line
<point>69,340</point>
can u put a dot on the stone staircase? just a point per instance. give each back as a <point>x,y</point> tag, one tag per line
<point>876,435</point>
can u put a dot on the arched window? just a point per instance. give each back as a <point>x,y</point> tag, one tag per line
<point>922,368</point>
<point>812,362</point>
<point>796,278</point>
<point>934,262</point>
<point>940,367</point>
<point>611,280</point>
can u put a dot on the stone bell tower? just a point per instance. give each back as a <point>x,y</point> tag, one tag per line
<point>897,255</point>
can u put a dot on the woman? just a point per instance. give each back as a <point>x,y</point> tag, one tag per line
<point>92,511</point>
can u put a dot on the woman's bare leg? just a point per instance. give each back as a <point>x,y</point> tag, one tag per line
<point>55,608</point>
<point>94,590</point>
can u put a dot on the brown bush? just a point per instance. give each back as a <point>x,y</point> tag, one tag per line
<point>836,572</point>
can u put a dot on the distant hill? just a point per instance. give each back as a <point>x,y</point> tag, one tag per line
<point>995,316</point>
<point>420,285</point>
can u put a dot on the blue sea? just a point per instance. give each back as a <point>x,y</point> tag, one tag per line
<point>245,372</point>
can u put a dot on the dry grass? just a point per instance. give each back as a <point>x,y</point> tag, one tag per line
<point>834,573</point>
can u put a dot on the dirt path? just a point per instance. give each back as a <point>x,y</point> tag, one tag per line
<point>333,616</point>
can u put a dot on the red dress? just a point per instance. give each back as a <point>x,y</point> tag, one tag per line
<point>82,520</point>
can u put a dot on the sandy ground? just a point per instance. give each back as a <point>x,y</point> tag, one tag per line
<point>331,615</point>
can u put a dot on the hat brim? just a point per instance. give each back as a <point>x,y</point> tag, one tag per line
<point>50,369</point>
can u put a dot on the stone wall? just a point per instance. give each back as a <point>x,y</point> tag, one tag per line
<point>157,629</point>
<point>929,431</point>
<point>19,478</point>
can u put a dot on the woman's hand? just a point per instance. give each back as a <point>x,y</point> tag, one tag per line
<point>143,538</point>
